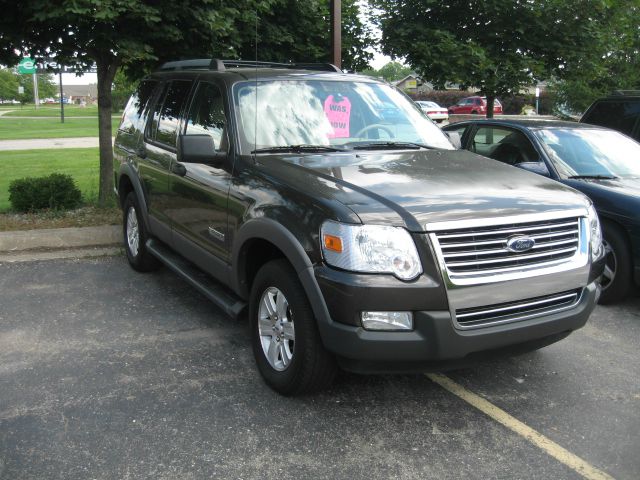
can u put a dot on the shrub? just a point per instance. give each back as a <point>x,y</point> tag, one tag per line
<point>56,192</point>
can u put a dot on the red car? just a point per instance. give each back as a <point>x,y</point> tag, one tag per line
<point>474,105</point>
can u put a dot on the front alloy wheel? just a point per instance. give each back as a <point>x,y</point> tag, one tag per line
<point>617,278</point>
<point>276,329</point>
<point>285,338</point>
<point>611,261</point>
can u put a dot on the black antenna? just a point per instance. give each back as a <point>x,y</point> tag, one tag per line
<point>255,114</point>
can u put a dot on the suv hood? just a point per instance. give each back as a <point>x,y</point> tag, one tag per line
<point>414,188</point>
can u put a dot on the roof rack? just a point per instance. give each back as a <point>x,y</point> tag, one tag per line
<point>222,65</point>
<point>625,92</point>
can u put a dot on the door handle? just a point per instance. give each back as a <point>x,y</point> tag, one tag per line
<point>179,169</point>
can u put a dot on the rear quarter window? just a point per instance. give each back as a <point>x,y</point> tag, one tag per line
<point>132,118</point>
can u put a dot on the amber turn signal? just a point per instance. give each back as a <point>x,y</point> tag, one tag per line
<point>333,243</point>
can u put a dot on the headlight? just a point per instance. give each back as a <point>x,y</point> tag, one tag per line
<point>596,233</point>
<point>370,249</point>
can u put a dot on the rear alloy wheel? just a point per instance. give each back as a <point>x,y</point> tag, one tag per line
<point>135,236</point>
<point>284,334</point>
<point>616,278</point>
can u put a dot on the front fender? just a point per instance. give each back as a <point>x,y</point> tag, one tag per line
<point>275,233</point>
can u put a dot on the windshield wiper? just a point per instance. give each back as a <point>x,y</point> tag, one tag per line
<point>390,146</point>
<point>594,177</point>
<point>297,149</point>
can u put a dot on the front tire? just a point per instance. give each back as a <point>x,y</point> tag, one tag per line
<point>616,279</point>
<point>135,236</point>
<point>284,334</point>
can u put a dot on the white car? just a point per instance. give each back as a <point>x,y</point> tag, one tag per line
<point>434,111</point>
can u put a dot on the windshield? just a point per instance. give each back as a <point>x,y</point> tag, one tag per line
<point>591,152</point>
<point>341,114</point>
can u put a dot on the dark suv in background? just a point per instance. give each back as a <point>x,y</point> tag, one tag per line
<point>620,111</point>
<point>343,220</point>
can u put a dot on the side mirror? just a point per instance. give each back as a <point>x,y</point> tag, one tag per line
<point>454,138</point>
<point>536,167</point>
<point>198,149</point>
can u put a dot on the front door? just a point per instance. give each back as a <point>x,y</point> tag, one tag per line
<point>199,192</point>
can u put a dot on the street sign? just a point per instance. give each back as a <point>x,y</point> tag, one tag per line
<point>20,90</point>
<point>48,65</point>
<point>27,65</point>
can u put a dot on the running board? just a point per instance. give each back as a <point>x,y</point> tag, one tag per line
<point>221,296</point>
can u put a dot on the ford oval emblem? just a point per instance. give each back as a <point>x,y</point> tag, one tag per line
<point>520,243</point>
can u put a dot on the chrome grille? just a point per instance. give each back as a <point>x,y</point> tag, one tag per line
<point>516,311</point>
<point>483,250</point>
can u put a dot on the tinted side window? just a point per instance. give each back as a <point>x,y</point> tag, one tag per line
<point>166,117</point>
<point>206,115</point>
<point>132,117</point>
<point>619,115</point>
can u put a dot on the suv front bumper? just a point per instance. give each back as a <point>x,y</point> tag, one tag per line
<point>434,343</point>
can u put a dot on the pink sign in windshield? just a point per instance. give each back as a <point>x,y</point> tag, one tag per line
<point>338,113</point>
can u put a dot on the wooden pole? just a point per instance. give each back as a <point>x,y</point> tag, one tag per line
<point>336,32</point>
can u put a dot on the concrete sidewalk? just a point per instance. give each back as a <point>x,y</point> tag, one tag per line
<point>44,244</point>
<point>48,143</point>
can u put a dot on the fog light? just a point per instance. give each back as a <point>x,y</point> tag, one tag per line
<point>387,320</point>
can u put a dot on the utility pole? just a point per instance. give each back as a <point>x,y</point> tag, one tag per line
<point>336,32</point>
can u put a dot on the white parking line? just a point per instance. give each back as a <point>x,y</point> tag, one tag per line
<point>556,451</point>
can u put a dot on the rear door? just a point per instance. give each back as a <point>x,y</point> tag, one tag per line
<point>158,150</point>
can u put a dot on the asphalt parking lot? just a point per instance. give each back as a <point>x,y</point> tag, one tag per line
<point>110,374</point>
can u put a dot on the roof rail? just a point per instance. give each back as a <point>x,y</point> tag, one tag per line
<point>625,92</point>
<point>222,65</point>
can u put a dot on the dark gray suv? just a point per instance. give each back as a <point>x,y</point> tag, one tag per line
<point>343,220</point>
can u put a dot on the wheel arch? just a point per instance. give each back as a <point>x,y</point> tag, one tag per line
<point>261,240</point>
<point>128,182</point>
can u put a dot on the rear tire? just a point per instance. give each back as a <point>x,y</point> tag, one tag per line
<point>135,236</point>
<point>616,280</point>
<point>284,334</point>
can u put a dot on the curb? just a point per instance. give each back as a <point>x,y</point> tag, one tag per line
<point>106,235</point>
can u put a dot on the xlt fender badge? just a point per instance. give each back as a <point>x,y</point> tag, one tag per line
<point>216,234</point>
<point>520,243</point>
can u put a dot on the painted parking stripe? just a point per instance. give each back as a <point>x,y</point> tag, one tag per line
<point>556,451</point>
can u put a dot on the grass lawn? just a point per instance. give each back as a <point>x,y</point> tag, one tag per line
<point>22,128</point>
<point>81,163</point>
<point>53,110</point>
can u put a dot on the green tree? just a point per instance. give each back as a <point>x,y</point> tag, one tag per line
<point>393,71</point>
<point>8,85</point>
<point>611,64</point>
<point>47,87</point>
<point>123,87</point>
<point>134,34</point>
<point>497,46</point>
<point>295,31</point>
